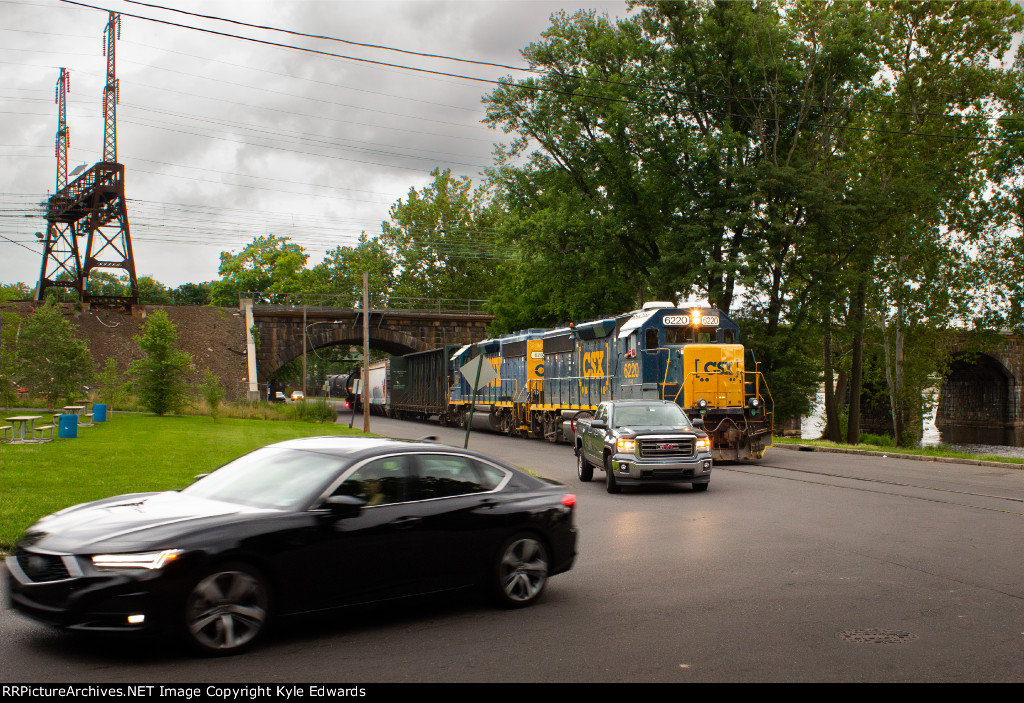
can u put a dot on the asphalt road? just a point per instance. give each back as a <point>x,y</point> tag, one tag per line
<point>803,567</point>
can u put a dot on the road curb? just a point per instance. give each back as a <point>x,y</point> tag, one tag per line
<point>896,455</point>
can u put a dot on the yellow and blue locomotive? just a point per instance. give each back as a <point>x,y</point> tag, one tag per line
<point>692,356</point>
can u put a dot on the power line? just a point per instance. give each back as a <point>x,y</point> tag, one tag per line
<point>336,39</point>
<point>593,79</point>
<point>528,86</point>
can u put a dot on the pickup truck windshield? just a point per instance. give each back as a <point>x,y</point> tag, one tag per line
<point>651,416</point>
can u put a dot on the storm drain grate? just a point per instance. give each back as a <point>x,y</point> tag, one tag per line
<point>876,636</point>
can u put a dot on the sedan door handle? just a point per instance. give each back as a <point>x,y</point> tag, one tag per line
<point>404,523</point>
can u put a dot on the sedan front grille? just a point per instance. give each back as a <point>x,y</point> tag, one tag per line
<point>666,448</point>
<point>42,568</point>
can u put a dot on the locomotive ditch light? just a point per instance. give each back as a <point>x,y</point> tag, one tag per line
<point>752,405</point>
<point>702,406</point>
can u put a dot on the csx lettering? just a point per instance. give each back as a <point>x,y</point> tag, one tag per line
<point>718,367</point>
<point>593,364</point>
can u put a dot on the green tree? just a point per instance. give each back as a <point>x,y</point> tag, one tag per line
<point>54,362</point>
<point>193,293</point>
<point>113,389</point>
<point>10,338</point>
<point>213,391</point>
<point>444,241</point>
<point>15,291</point>
<point>340,274</point>
<point>160,383</point>
<point>153,292</point>
<point>268,265</point>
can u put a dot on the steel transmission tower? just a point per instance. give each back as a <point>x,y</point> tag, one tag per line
<point>60,248</point>
<point>92,206</point>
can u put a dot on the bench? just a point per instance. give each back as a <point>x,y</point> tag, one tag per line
<point>8,432</point>
<point>45,433</point>
<point>87,422</point>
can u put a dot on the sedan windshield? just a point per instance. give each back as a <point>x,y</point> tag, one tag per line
<point>272,477</point>
<point>651,416</point>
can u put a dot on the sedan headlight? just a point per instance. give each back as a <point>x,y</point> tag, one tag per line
<point>702,444</point>
<point>626,446</point>
<point>142,560</point>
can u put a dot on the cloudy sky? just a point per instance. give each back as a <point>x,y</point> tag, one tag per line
<point>225,139</point>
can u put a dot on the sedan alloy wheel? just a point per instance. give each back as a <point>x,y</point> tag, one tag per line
<point>227,610</point>
<point>522,571</point>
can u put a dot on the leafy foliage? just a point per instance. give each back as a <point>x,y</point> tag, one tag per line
<point>443,240</point>
<point>113,388</point>
<point>269,264</point>
<point>213,391</point>
<point>53,361</point>
<point>160,384</point>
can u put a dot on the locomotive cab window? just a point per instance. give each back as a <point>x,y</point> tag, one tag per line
<point>629,345</point>
<point>704,337</point>
<point>678,335</point>
<point>651,340</point>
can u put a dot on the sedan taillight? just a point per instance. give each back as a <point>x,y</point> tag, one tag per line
<point>569,500</point>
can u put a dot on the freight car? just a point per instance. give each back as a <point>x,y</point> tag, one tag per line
<point>691,356</point>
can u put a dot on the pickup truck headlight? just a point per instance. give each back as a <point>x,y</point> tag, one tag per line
<point>626,446</point>
<point>702,444</point>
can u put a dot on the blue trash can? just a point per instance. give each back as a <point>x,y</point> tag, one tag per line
<point>67,426</point>
<point>99,412</point>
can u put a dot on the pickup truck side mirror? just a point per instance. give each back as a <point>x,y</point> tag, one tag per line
<point>597,425</point>
<point>697,422</point>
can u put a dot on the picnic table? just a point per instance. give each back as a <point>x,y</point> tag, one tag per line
<point>23,430</point>
<point>80,411</point>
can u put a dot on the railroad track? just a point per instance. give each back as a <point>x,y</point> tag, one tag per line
<point>1012,505</point>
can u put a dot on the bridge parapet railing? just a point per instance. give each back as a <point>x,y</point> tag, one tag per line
<point>313,301</point>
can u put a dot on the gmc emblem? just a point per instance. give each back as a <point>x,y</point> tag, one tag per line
<point>666,446</point>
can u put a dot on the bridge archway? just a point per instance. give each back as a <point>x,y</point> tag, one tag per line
<point>283,331</point>
<point>977,401</point>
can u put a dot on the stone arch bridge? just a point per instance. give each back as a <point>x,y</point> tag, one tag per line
<point>282,330</point>
<point>982,398</point>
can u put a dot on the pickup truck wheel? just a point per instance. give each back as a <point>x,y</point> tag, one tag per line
<point>583,468</point>
<point>609,477</point>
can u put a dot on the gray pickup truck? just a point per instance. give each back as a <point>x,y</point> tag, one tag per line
<point>642,441</point>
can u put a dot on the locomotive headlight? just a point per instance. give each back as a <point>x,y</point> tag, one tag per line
<point>695,318</point>
<point>626,446</point>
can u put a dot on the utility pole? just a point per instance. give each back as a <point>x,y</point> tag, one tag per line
<point>366,351</point>
<point>304,345</point>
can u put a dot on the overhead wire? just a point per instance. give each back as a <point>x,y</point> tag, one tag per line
<point>530,69</point>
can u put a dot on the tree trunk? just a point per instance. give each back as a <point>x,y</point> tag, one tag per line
<point>831,416</point>
<point>856,365</point>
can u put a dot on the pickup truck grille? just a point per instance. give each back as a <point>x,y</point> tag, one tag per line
<point>666,448</point>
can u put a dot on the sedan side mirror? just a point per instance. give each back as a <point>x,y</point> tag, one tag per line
<point>344,506</point>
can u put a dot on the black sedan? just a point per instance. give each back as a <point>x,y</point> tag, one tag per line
<point>297,527</point>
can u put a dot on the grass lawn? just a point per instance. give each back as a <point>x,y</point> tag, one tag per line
<point>129,454</point>
<point>938,451</point>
